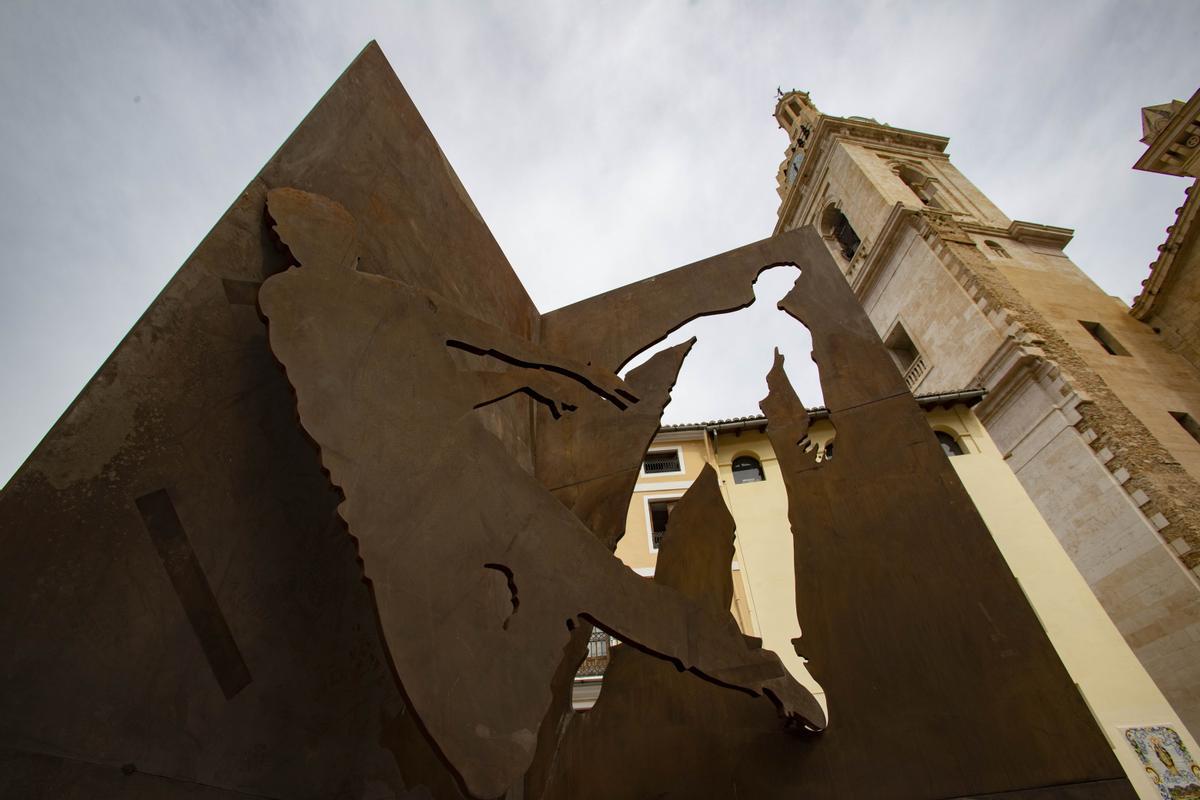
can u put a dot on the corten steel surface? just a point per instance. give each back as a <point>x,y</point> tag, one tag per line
<point>943,639</point>
<point>614,750</point>
<point>940,680</point>
<point>476,569</point>
<point>185,613</point>
<point>102,664</point>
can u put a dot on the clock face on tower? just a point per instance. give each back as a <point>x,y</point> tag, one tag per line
<point>794,166</point>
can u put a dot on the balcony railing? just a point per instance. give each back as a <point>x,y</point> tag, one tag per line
<point>598,654</point>
<point>916,370</point>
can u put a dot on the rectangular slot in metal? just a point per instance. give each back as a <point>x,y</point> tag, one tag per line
<point>191,586</point>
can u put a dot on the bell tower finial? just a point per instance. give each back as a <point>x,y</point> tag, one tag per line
<point>796,114</point>
<point>793,108</point>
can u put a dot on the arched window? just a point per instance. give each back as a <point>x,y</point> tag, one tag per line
<point>746,469</point>
<point>997,248</point>
<point>950,445</point>
<point>921,185</point>
<point>835,225</point>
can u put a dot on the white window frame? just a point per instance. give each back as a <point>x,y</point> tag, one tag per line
<point>757,460</point>
<point>646,499</point>
<point>679,453</point>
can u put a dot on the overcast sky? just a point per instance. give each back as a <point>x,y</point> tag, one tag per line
<point>602,141</point>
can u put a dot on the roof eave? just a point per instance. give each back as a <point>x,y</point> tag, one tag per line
<point>967,397</point>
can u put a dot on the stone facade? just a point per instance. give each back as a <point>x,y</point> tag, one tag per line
<point>1083,398</point>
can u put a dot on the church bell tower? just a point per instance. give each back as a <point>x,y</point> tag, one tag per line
<point>1083,399</point>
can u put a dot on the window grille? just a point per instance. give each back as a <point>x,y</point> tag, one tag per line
<point>598,644</point>
<point>662,461</point>
<point>599,652</point>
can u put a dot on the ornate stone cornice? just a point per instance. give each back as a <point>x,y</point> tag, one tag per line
<point>1146,302</point>
<point>1032,233</point>
<point>1175,146</point>
<point>831,129</point>
<point>927,222</point>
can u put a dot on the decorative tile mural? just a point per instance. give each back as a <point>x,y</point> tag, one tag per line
<point>1167,762</point>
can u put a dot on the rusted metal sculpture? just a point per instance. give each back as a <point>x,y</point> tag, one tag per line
<point>185,613</point>
<point>475,568</point>
<point>899,587</point>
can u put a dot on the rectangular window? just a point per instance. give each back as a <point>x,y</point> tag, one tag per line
<point>1188,423</point>
<point>662,462</point>
<point>1104,338</point>
<point>660,511</point>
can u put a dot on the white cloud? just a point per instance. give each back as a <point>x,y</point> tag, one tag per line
<point>603,142</point>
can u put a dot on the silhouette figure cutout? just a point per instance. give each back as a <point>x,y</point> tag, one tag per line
<point>478,572</point>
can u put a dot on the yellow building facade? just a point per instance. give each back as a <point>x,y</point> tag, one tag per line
<point>1113,682</point>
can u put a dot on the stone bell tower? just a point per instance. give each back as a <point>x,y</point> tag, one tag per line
<point>1083,399</point>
